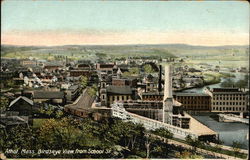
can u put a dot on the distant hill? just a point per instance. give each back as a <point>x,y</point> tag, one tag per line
<point>164,50</point>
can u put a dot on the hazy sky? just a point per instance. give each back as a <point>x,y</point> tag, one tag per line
<point>124,22</point>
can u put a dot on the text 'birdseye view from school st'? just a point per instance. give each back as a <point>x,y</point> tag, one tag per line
<point>140,80</point>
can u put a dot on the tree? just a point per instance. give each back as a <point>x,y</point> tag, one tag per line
<point>59,114</point>
<point>84,81</point>
<point>134,70</point>
<point>228,83</point>
<point>193,142</point>
<point>92,90</point>
<point>163,133</point>
<point>10,83</point>
<point>148,68</point>
<point>236,147</point>
<point>147,145</point>
<point>3,104</point>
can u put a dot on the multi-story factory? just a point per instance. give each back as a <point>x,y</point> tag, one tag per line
<point>227,100</point>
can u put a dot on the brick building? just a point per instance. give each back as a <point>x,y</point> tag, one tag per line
<point>227,100</point>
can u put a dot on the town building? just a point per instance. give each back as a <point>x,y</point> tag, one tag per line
<point>53,97</point>
<point>194,101</point>
<point>22,105</point>
<point>227,100</point>
<point>111,93</point>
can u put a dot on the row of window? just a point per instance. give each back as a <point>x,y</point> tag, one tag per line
<point>119,98</point>
<point>228,103</point>
<point>229,98</point>
<point>229,95</point>
<point>229,108</point>
<point>192,97</point>
<point>195,102</point>
<point>196,107</point>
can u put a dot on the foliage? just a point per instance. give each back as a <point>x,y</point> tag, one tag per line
<point>186,155</point>
<point>10,83</point>
<point>92,90</point>
<point>50,111</point>
<point>194,142</point>
<point>163,133</point>
<point>228,83</point>
<point>84,81</point>
<point>3,103</point>
<point>242,83</point>
<point>236,147</point>
<point>132,71</point>
<point>148,68</point>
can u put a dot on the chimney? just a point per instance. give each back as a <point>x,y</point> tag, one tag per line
<point>168,99</point>
<point>168,82</point>
<point>159,81</point>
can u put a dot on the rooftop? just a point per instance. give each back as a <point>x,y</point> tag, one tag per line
<point>21,97</point>
<point>119,89</point>
<point>48,95</point>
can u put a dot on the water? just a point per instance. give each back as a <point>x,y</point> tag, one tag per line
<point>228,132</point>
<point>238,76</point>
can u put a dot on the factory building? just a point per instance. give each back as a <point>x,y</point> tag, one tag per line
<point>227,100</point>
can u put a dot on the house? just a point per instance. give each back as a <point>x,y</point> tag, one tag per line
<point>22,105</point>
<point>52,67</point>
<point>77,73</point>
<point>9,121</point>
<point>107,68</point>
<point>124,82</point>
<point>72,93</point>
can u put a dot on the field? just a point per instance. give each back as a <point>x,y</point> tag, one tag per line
<point>226,56</point>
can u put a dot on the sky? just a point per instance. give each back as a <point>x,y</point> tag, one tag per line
<point>65,22</point>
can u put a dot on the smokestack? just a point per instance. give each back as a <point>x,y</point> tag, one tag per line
<point>168,82</point>
<point>168,99</point>
<point>159,82</point>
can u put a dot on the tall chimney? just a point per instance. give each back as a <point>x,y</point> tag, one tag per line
<point>159,81</point>
<point>167,109</point>
<point>168,82</point>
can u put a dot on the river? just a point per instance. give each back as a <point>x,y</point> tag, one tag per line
<point>228,132</point>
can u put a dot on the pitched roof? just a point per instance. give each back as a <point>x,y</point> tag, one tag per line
<point>48,95</point>
<point>21,97</point>
<point>119,89</point>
